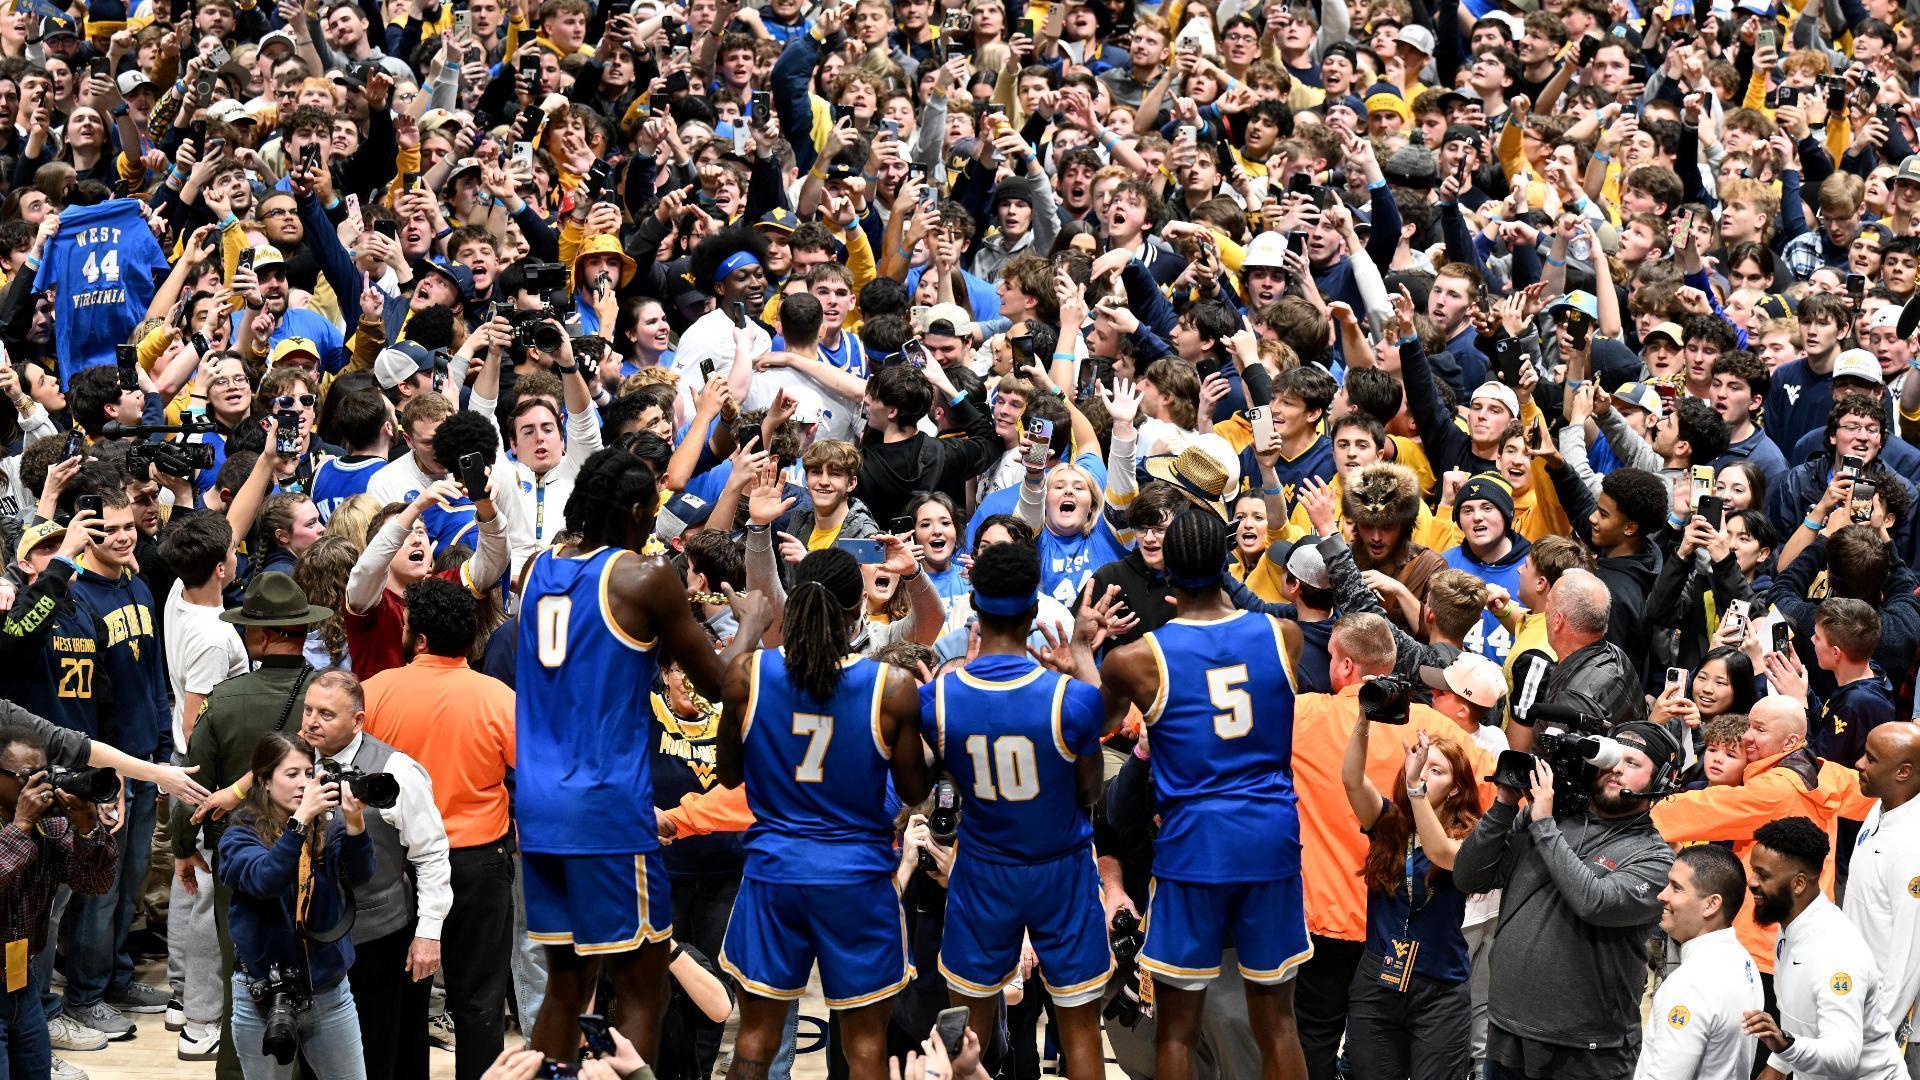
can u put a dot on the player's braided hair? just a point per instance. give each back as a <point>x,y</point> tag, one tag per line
<point>829,585</point>
<point>611,484</point>
<point>1196,550</point>
<point>1010,571</point>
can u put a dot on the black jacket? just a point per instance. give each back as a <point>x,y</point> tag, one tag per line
<point>1597,681</point>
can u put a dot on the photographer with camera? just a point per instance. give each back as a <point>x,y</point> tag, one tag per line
<point>1580,888</point>
<point>396,940</point>
<point>286,859</point>
<point>54,839</point>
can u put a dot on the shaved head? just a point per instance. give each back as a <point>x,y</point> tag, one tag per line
<point>1775,725</point>
<point>1890,764</point>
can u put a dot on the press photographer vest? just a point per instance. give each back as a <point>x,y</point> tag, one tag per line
<point>384,905</point>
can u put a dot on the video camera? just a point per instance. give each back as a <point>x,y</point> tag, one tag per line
<point>175,459</point>
<point>1577,759</point>
<point>281,997</point>
<point>943,821</point>
<point>379,790</point>
<point>1385,699</point>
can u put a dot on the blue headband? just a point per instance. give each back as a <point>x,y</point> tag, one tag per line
<point>1194,583</point>
<point>1007,606</point>
<point>739,260</point>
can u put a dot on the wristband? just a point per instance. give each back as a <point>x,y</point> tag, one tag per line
<point>1377,185</point>
<point>752,528</point>
<point>566,369</point>
<point>1810,523</point>
<point>1914,363</point>
<point>1676,520</point>
<point>1279,490</point>
<point>958,397</point>
<point>1069,356</point>
<point>1551,261</point>
<point>1603,157</point>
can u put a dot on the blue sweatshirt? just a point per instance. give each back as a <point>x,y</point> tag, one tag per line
<point>134,716</point>
<point>265,882</point>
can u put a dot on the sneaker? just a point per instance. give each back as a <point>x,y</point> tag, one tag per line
<point>199,1042</point>
<point>64,1071</point>
<point>138,997</point>
<point>176,1014</point>
<point>104,1019</point>
<point>440,1030</point>
<point>66,1033</point>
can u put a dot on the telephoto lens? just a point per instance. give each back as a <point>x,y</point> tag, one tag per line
<point>91,785</point>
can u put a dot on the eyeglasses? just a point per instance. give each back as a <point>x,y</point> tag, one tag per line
<point>21,777</point>
<point>1242,39</point>
<point>280,212</point>
<point>227,380</point>
<point>288,401</point>
<point>1859,429</point>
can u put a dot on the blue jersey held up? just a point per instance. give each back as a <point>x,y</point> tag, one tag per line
<point>816,776</point>
<point>1221,743</point>
<point>1010,732</point>
<point>582,716</point>
<point>100,266</point>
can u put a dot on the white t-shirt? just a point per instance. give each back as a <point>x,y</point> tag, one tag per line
<point>202,653</point>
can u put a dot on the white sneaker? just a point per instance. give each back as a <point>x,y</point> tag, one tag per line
<point>64,1071</point>
<point>176,1014</point>
<point>66,1033</point>
<point>199,1042</point>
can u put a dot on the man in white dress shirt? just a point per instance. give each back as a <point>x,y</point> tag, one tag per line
<point>1825,977</point>
<point>1695,1028</point>
<point>1883,881</point>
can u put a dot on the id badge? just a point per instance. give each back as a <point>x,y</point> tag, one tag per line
<point>1396,971</point>
<point>16,964</point>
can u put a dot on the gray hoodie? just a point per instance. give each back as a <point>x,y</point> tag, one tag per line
<point>1580,895</point>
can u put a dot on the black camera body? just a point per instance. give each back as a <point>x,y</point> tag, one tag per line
<point>87,784</point>
<point>943,821</point>
<point>379,790</point>
<point>280,997</point>
<point>531,330</point>
<point>1385,699</point>
<point>1577,759</point>
<point>175,459</point>
<point>1126,936</point>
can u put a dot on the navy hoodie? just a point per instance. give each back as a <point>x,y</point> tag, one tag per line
<point>130,662</point>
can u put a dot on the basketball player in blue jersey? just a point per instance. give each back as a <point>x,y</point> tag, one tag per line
<point>1214,689</point>
<point>596,620</point>
<point>1023,743</point>
<point>815,734</point>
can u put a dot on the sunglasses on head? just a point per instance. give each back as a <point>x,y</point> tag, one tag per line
<point>288,401</point>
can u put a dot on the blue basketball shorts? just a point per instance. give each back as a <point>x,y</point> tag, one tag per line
<point>597,903</point>
<point>1190,924</point>
<point>857,932</point>
<point>1055,903</point>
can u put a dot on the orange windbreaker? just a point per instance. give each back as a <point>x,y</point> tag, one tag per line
<point>1770,791</point>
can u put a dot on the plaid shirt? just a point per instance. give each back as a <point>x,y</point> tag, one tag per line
<point>32,864</point>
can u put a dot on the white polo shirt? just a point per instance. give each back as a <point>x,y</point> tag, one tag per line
<point>1694,1032</point>
<point>1883,903</point>
<point>1827,984</point>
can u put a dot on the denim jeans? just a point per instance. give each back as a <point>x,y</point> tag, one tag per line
<point>97,959</point>
<point>529,962</point>
<point>41,971</point>
<point>25,1053</point>
<point>329,1035</point>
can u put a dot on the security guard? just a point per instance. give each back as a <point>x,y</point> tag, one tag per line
<point>274,621</point>
<point>1694,1030</point>
<point>1826,980</point>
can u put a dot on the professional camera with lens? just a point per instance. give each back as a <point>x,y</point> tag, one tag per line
<point>89,785</point>
<point>175,459</point>
<point>1577,759</point>
<point>943,821</point>
<point>532,330</point>
<point>1385,700</point>
<point>280,998</point>
<point>378,789</point>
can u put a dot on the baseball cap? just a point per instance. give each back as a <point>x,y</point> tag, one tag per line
<point>460,277</point>
<point>1499,392</point>
<point>1307,565</point>
<point>779,219</point>
<point>398,363</point>
<point>35,535</point>
<point>54,26</point>
<point>131,81</point>
<point>1470,676</point>
<point>682,512</point>
<point>1418,37</point>
<point>948,320</point>
<point>267,255</point>
<point>1269,250</point>
<point>1857,364</point>
<point>289,346</point>
<point>808,408</point>
<point>1578,300</point>
<point>279,37</point>
<point>1884,317</point>
<point>228,111</point>
<point>1909,170</point>
<point>1638,395</point>
<point>1671,331</point>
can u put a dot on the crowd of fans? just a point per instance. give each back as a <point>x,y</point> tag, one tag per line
<point>1548,365</point>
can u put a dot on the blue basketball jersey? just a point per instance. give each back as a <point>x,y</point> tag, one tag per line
<point>816,776</point>
<point>584,784</point>
<point>1010,731</point>
<point>1220,738</point>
